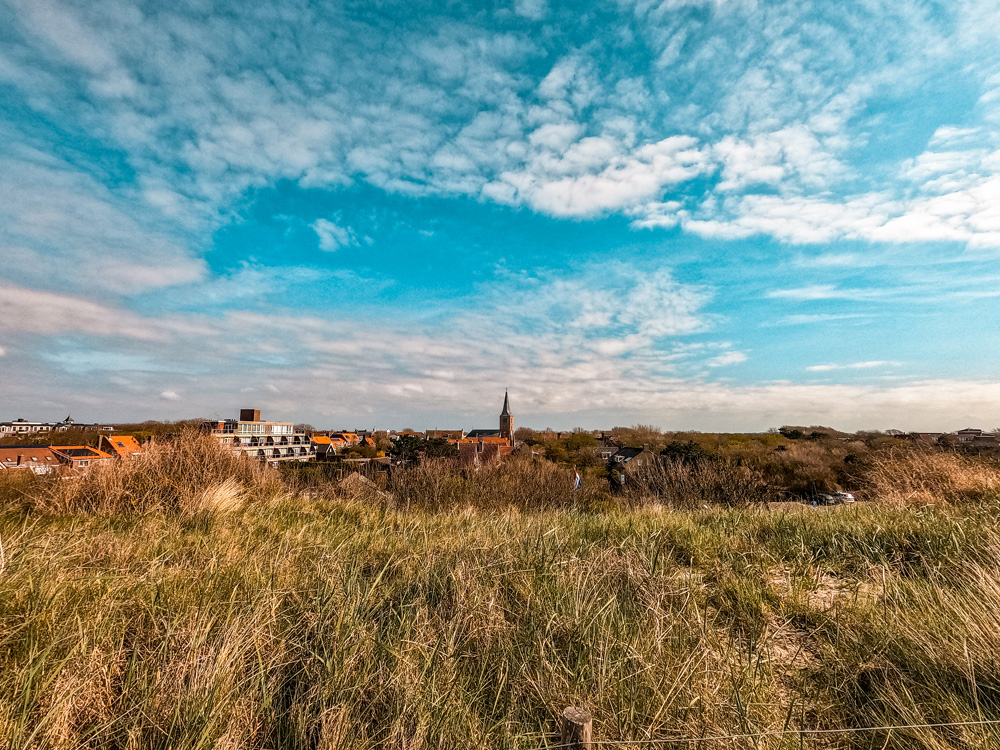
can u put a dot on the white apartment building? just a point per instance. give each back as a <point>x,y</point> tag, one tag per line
<point>273,442</point>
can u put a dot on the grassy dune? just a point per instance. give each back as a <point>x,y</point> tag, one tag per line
<point>228,611</point>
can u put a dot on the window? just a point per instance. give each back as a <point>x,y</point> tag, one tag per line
<point>84,463</point>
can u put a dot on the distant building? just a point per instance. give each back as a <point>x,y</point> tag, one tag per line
<point>506,431</point>
<point>79,456</point>
<point>968,435</point>
<point>347,438</point>
<point>322,446</point>
<point>120,446</point>
<point>479,451</point>
<point>37,458</point>
<point>18,427</point>
<point>632,458</point>
<point>450,435</point>
<point>23,427</point>
<point>273,442</point>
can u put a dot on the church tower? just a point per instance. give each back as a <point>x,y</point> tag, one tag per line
<point>507,421</point>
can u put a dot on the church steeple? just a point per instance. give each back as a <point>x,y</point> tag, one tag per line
<point>507,421</point>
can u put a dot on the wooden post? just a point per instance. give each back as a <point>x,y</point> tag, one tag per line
<point>577,728</point>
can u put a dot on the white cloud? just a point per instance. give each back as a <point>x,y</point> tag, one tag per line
<point>61,227</point>
<point>3,352</point>
<point>795,320</point>
<point>536,10</point>
<point>170,396</point>
<point>38,312</point>
<point>596,175</point>
<point>852,366</point>
<point>817,292</point>
<point>727,358</point>
<point>332,236</point>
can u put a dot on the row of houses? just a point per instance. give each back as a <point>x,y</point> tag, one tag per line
<point>21,427</point>
<point>970,436</point>
<point>44,459</point>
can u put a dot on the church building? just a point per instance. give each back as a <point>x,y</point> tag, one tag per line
<point>506,431</point>
<point>484,446</point>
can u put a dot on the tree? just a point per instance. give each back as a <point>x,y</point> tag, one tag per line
<point>411,447</point>
<point>685,452</point>
<point>407,447</point>
<point>579,440</point>
<point>526,435</point>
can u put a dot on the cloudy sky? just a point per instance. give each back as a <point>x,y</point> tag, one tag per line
<point>703,214</point>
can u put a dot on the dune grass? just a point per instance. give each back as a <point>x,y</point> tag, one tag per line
<point>230,613</point>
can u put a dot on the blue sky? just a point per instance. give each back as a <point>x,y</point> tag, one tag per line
<point>700,214</point>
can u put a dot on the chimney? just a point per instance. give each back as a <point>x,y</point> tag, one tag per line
<point>249,415</point>
<point>19,457</point>
<point>645,447</point>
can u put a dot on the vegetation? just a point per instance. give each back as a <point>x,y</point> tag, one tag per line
<point>193,599</point>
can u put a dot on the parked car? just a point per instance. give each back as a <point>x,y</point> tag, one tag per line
<point>837,498</point>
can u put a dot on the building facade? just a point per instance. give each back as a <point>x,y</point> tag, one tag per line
<point>273,442</point>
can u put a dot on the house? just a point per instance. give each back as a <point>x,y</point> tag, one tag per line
<point>347,438</point>
<point>322,446</point>
<point>632,458</point>
<point>273,442</point>
<point>968,435</point>
<point>37,458</point>
<point>120,446</point>
<point>79,456</point>
<point>482,450</point>
<point>449,435</point>
<point>607,451</point>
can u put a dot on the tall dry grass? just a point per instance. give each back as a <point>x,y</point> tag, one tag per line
<point>931,476</point>
<point>189,475</point>
<point>464,609</point>
<point>519,482</point>
<point>332,624</point>
<point>682,484</point>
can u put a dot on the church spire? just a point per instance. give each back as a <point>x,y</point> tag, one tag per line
<point>507,421</point>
